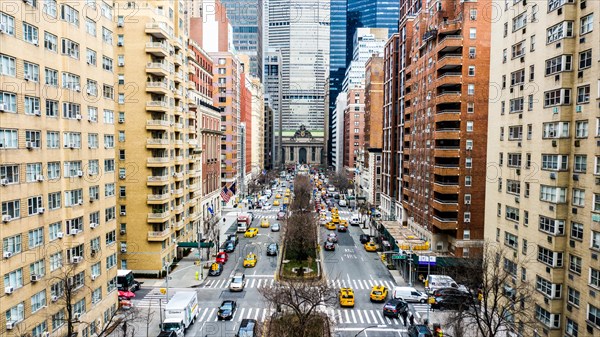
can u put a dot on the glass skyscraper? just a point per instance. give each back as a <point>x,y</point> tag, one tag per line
<point>346,16</point>
<point>243,16</point>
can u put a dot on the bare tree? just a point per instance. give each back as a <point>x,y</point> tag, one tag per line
<point>254,187</point>
<point>302,193</point>
<point>503,301</point>
<point>298,303</point>
<point>300,236</point>
<point>340,181</point>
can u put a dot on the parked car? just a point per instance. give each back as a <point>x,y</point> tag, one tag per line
<point>419,330</point>
<point>272,249</point>
<point>449,292</point>
<point>233,238</point>
<point>452,302</point>
<point>364,238</point>
<point>275,227</point>
<point>280,215</point>
<point>342,228</point>
<point>229,247</point>
<point>332,237</point>
<point>247,328</point>
<point>410,294</point>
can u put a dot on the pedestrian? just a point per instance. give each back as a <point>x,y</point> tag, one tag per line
<point>404,317</point>
<point>439,332</point>
<point>411,319</point>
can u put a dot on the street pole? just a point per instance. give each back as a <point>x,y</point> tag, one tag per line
<point>167,281</point>
<point>428,272</point>
<point>410,266</point>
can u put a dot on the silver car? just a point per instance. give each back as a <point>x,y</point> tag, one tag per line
<point>275,227</point>
<point>238,282</point>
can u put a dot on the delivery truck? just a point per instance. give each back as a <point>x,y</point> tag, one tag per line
<point>244,221</point>
<point>180,312</point>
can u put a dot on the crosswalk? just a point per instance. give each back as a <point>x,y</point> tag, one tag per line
<point>361,316</point>
<point>250,283</point>
<point>259,314</point>
<point>360,284</point>
<point>151,300</point>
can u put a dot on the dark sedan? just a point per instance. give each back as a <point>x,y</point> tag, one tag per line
<point>226,310</point>
<point>215,269</point>
<point>272,249</point>
<point>456,302</point>
<point>229,247</point>
<point>329,245</point>
<point>394,308</point>
<point>364,238</point>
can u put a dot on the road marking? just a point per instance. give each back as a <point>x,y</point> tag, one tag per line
<point>259,282</point>
<point>256,314</point>
<point>205,311</point>
<point>272,281</point>
<point>380,317</point>
<point>347,316</point>
<point>264,315</point>
<point>211,314</point>
<point>367,317</point>
<point>359,316</point>
<point>242,313</point>
<point>353,316</point>
<point>251,283</point>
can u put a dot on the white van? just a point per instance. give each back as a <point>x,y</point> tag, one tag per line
<point>435,282</point>
<point>355,220</point>
<point>409,294</point>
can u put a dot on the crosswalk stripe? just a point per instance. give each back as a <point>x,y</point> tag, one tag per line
<point>339,316</point>
<point>259,282</point>
<point>272,281</point>
<point>367,317</point>
<point>353,316</point>
<point>264,315</point>
<point>204,312</point>
<point>211,314</point>
<point>360,318</point>
<point>256,314</point>
<point>380,317</point>
<point>251,283</point>
<point>347,316</point>
<point>242,313</point>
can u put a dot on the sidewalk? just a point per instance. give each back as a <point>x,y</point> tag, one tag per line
<point>184,274</point>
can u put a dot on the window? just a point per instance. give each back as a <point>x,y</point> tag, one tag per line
<point>70,48</point>
<point>532,43</point>
<point>578,197</point>
<point>515,132</point>
<point>553,194</point>
<point>14,279</point>
<point>10,173</point>
<point>558,64</point>
<point>575,264</point>
<point>557,97</point>
<point>471,89</point>
<point>53,170</point>
<point>513,186</point>
<point>109,190</point>
<point>50,42</point>
<point>587,24</point>
<point>519,21</point>
<point>469,126</point>
<point>518,49</point>
<point>107,64</point>
<point>93,167</point>
<point>109,165</point>
<point>38,301</point>
<point>555,162</point>
<point>109,117</point>
<point>517,77</point>
<point>471,71</point>
<point>550,258</point>
<point>56,261</point>
<point>534,11</point>
<point>33,172</point>
<point>572,328</point>
<point>524,247</point>
<point>109,214</point>
<point>53,230</point>
<point>73,197</point>
<point>93,140</point>
<point>109,141</point>
<point>69,14</point>
<point>472,33</point>
<point>107,36</point>
<point>97,295</point>
<point>511,240</point>
<point>468,162</point>
<point>30,33</point>
<point>7,66</point>
<point>559,31</point>
<point>72,140</point>
<point>595,242</point>
<point>39,329</point>
<point>10,104</point>
<point>548,288</point>
<point>71,81</point>
<point>12,244</point>
<point>583,94</point>
<point>468,180</point>
<point>16,313</point>
<point>512,213</point>
<point>79,307</point>
<point>51,79</point>
<point>580,165</point>
<point>54,200</point>
<point>31,72</point>
<point>33,139</point>
<point>91,57</point>
<point>9,23</point>
<point>585,59</point>
<point>514,160</point>
<point>111,261</point>
<point>33,205</point>
<point>35,237</point>
<point>38,268</point>
<point>581,129</point>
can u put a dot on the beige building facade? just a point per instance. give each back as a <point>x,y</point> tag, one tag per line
<point>159,171</point>
<point>58,190</point>
<point>543,199</point>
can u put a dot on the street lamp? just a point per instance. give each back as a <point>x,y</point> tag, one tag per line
<point>369,327</point>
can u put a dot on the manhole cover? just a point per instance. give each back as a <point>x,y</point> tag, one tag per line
<point>231,295</point>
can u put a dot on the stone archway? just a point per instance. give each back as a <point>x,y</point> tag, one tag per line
<point>302,155</point>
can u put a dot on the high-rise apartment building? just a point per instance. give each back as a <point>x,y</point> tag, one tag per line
<point>354,126</point>
<point>158,181</point>
<point>542,199</point>
<point>209,139</point>
<point>445,124</point>
<point>303,41</point>
<point>58,189</point>
<point>337,140</point>
<point>272,66</point>
<point>243,17</point>
<point>346,16</point>
<point>373,138</point>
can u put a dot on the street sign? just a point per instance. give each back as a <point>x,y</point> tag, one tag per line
<point>427,260</point>
<point>398,257</point>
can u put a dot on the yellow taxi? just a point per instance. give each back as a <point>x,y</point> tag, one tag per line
<point>334,210</point>
<point>286,201</point>
<point>335,219</point>
<point>276,202</point>
<point>264,223</point>
<point>346,297</point>
<point>277,196</point>
<point>370,247</point>
<point>251,232</point>
<point>344,222</point>
<point>378,293</point>
<point>331,225</point>
<point>287,193</point>
<point>250,260</point>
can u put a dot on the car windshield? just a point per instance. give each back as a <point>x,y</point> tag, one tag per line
<point>237,279</point>
<point>170,326</point>
<point>377,292</point>
<point>227,306</point>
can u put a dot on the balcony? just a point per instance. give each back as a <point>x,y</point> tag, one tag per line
<point>178,209</point>
<point>447,116</point>
<point>158,161</point>
<point>451,152</point>
<point>178,94</point>
<point>161,106</point>
<point>178,176</point>
<point>195,216</point>
<point>445,223</point>
<point>157,180</point>
<point>157,125</point>
<point>178,43</point>
<point>153,143</point>
<point>449,78</point>
<point>158,30</point>
<point>447,134</point>
<point>157,69</point>
<point>449,61</point>
<point>450,43</point>
<point>445,205</point>
<point>157,88</point>
<point>179,159</point>
<point>178,192</point>
<point>178,60</point>
<point>194,187</point>
<point>177,225</point>
<point>159,236</point>
<point>160,49</point>
<point>445,188</point>
<point>158,198</point>
<point>179,76</point>
<point>159,217</point>
<point>446,170</point>
<point>178,126</point>
<point>448,97</point>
